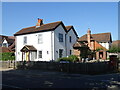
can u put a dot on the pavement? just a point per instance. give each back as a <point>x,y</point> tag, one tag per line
<point>6,69</point>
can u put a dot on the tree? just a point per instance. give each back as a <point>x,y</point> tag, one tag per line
<point>114,49</point>
<point>7,56</point>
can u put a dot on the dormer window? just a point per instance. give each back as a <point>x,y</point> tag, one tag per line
<point>5,45</point>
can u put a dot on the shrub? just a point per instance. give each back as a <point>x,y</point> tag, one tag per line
<point>64,59</point>
<point>7,56</point>
<point>71,58</point>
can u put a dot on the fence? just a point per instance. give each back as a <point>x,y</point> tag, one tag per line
<point>85,68</point>
<point>7,64</point>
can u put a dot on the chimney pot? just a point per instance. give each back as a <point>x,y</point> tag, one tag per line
<point>39,23</point>
<point>89,31</point>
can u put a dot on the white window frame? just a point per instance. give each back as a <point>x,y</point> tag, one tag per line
<point>25,40</point>
<point>40,38</point>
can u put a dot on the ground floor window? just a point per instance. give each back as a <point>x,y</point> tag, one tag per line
<point>70,52</point>
<point>39,54</point>
<point>60,53</point>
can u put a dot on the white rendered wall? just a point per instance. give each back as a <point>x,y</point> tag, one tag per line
<point>73,40</point>
<point>59,45</point>
<point>32,39</point>
<point>5,41</point>
<point>105,44</point>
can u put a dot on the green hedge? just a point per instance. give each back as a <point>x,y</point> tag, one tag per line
<point>71,58</point>
<point>7,56</point>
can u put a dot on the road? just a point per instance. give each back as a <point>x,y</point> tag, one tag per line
<point>27,79</point>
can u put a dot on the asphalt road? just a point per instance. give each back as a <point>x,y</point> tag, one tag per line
<point>39,79</point>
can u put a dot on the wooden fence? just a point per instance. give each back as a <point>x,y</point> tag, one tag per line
<point>85,68</point>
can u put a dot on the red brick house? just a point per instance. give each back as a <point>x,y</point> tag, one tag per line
<point>97,43</point>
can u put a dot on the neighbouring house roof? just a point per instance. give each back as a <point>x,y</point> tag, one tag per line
<point>28,48</point>
<point>42,28</point>
<point>69,28</point>
<point>10,39</point>
<point>79,45</point>
<point>5,49</point>
<point>116,43</point>
<point>101,37</point>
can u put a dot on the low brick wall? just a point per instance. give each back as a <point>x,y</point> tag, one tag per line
<point>86,68</point>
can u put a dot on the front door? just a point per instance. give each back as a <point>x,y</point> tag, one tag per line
<point>27,56</point>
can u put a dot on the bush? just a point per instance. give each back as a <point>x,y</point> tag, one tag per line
<point>7,56</point>
<point>64,59</point>
<point>71,58</point>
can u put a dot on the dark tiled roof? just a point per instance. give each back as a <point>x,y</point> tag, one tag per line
<point>42,28</point>
<point>68,28</point>
<point>28,48</point>
<point>101,37</point>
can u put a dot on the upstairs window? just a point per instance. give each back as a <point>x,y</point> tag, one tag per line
<point>70,52</point>
<point>70,38</point>
<point>25,40</point>
<point>60,37</point>
<point>40,39</point>
<point>5,45</point>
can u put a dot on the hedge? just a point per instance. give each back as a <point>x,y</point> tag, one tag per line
<point>71,58</point>
<point>7,56</point>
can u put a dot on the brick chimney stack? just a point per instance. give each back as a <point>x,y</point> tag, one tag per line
<point>89,37</point>
<point>39,23</point>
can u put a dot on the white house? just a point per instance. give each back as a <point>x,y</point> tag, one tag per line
<point>45,42</point>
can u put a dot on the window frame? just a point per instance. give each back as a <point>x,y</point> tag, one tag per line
<point>70,39</point>
<point>60,36</point>
<point>25,40</point>
<point>40,38</point>
<point>60,53</point>
<point>70,52</point>
<point>40,55</point>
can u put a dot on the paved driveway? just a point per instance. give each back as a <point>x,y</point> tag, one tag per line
<point>24,79</point>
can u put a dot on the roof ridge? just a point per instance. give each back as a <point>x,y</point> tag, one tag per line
<point>69,26</point>
<point>102,33</point>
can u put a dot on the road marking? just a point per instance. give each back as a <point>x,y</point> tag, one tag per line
<point>11,86</point>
